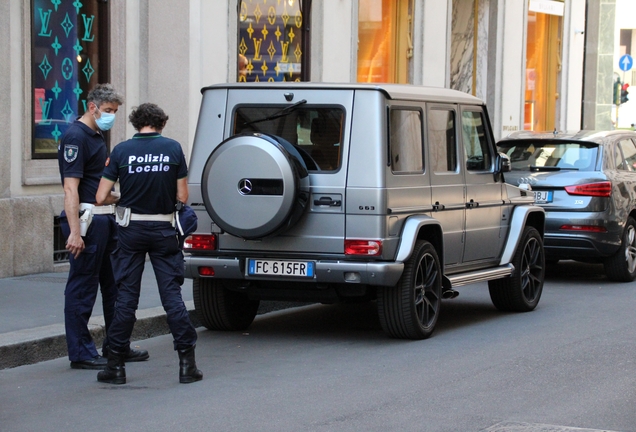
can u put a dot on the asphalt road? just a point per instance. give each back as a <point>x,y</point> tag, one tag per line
<point>569,364</point>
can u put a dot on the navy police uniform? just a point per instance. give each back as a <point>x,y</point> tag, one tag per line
<point>82,154</point>
<point>148,167</point>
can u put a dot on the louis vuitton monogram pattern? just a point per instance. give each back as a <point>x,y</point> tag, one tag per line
<point>65,65</point>
<point>270,39</point>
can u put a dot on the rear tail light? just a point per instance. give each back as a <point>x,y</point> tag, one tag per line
<point>602,189</point>
<point>200,242</point>
<point>584,228</point>
<point>363,247</point>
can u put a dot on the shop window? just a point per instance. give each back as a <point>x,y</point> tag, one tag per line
<point>384,40</point>
<point>543,64</point>
<point>69,56</point>
<point>273,40</point>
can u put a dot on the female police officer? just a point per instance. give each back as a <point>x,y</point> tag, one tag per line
<point>152,171</point>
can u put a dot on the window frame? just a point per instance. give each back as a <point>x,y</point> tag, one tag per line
<point>302,147</point>
<point>490,165</point>
<point>420,111</point>
<point>456,148</point>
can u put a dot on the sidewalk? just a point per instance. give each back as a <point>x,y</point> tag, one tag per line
<point>32,316</point>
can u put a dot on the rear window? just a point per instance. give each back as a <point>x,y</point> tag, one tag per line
<point>315,131</point>
<point>528,155</point>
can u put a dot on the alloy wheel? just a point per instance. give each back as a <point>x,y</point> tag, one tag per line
<point>532,270</point>
<point>426,295</point>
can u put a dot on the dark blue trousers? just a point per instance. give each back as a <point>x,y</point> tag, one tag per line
<point>159,241</point>
<point>91,271</point>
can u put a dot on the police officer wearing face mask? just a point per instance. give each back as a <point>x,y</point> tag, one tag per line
<point>91,231</point>
<point>152,174</point>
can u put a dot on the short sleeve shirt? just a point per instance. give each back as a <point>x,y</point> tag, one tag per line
<point>82,154</point>
<point>147,166</point>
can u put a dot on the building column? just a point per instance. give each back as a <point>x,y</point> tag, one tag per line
<point>599,67</point>
<point>571,76</point>
<point>431,43</point>
<point>506,62</point>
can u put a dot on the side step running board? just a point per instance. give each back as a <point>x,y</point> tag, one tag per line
<point>480,275</point>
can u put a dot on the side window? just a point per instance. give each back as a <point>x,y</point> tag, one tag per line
<point>69,56</point>
<point>619,160</point>
<point>441,140</point>
<point>629,155</point>
<point>478,157</point>
<point>406,141</point>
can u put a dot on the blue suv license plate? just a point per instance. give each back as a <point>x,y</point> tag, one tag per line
<point>261,267</point>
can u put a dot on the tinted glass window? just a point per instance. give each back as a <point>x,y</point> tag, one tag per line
<point>315,131</point>
<point>441,140</point>
<point>628,160</point>
<point>618,159</point>
<point>406,141</point>
<point>478,156</point>
<point>525,155</point>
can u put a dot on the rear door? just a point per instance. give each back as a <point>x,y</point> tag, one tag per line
<point>408,185</point>
<point>320,129</point>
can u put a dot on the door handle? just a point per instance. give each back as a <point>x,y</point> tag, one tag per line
<point>326,201</point>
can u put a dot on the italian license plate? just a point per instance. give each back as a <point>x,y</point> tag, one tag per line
<point>259,267</point>
<point>543,197</point>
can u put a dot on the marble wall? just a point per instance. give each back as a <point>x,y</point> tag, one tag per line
<point>465,73</point>
<point>599,65</point>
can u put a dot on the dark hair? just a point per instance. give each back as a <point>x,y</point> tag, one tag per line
<point>104,93</point>
<point>148,114</point>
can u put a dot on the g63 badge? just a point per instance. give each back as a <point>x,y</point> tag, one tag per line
<point>70,153</point>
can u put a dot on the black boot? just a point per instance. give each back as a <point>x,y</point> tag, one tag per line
<point>188,372</point>
<point>115,372</point>
<point>132,355</point>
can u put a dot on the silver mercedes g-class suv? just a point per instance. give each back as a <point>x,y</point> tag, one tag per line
<point>322,192</point>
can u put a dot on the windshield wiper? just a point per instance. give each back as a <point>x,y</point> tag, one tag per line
<point>281,113</point>
<point>551,168</point>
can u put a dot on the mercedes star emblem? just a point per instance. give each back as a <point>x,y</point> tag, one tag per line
<point>245,187</point>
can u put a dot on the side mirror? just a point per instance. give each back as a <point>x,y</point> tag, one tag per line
<point>503,162</point>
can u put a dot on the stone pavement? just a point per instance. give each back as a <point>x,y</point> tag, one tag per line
<point>32,316</point>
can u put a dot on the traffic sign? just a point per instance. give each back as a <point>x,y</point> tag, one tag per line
<point>626,62</point>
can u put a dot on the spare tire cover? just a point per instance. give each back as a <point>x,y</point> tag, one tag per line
<point>255,185</point>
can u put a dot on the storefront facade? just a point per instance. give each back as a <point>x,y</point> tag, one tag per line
<point>166,51</point>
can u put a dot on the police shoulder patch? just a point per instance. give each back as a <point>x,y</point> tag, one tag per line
<point>70,152</point>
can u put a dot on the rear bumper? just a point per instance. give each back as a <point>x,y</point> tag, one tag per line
<point>326,271</point>
<point>577,246</point>
<point>564,244</point>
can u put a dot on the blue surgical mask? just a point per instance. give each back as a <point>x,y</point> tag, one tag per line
<point>105,121</point>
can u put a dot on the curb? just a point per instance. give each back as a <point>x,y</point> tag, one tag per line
<point>29,346</point>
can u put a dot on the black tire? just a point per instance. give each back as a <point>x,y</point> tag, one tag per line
<point>621,267</point>
<point>410,309</point>
<point>220,308</point>
<point>521,291</point>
